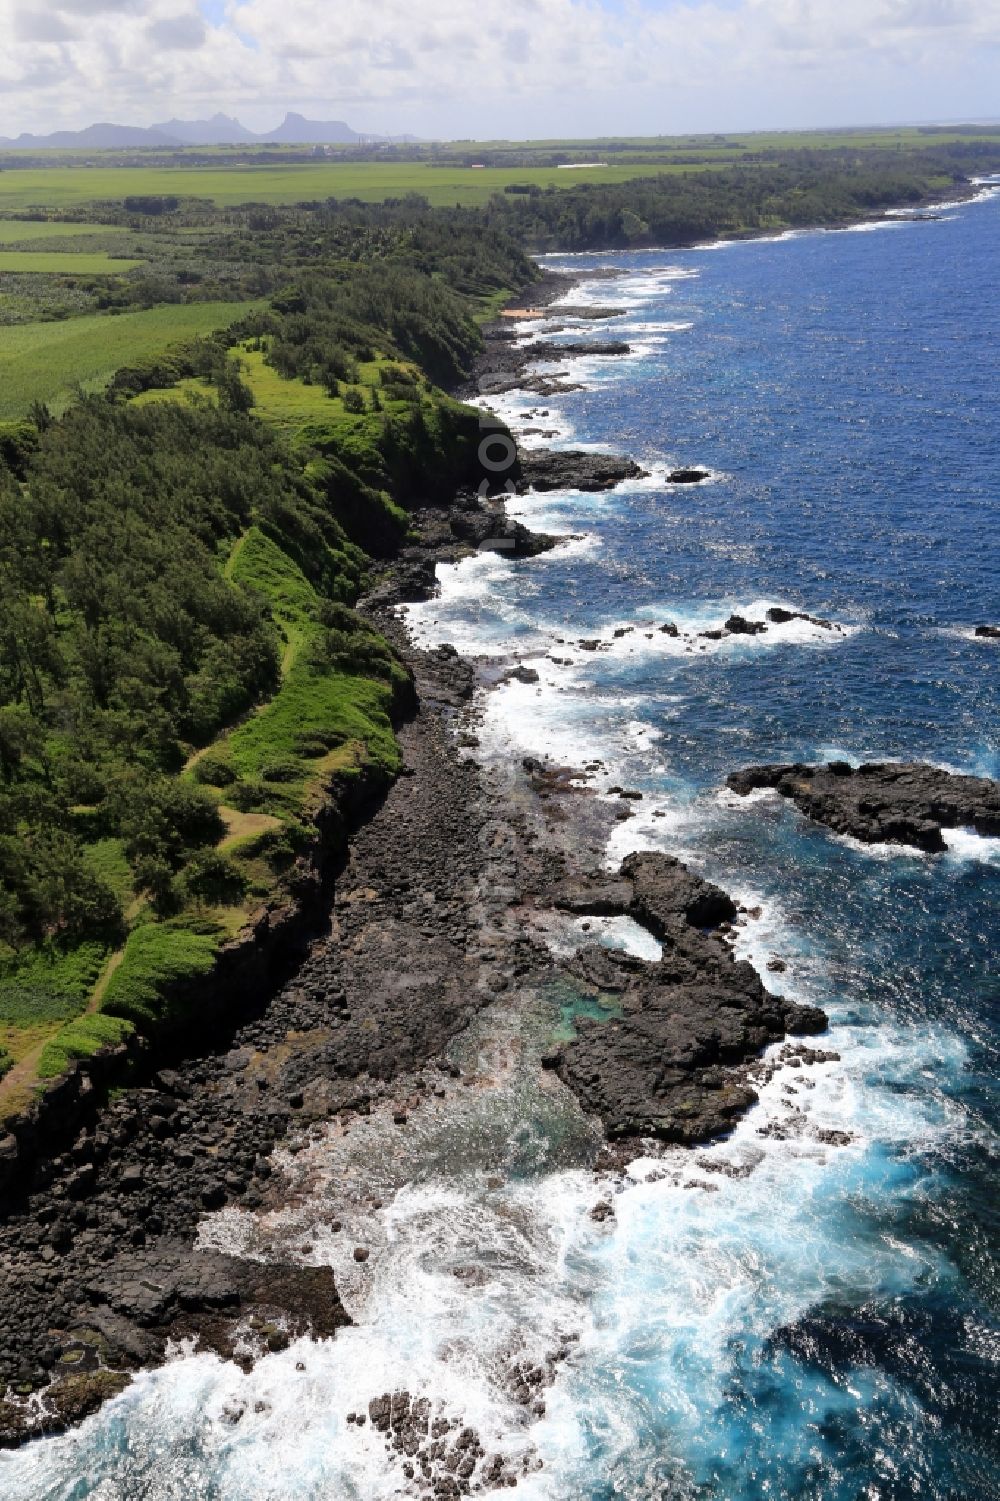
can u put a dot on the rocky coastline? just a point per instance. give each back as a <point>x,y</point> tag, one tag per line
<point>437,909</point>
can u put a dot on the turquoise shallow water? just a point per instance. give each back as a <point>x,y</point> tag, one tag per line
<point>823,1322</point>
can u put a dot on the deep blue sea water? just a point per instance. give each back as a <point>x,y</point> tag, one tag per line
<point>824,1323</point>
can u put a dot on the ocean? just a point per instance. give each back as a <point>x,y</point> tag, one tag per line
<point>789,1313</point>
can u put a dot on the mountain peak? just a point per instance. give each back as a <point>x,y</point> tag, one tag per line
<point>220,130</point>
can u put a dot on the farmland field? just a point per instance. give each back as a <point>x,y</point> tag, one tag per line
<point>46,361</point>
<point>68,187</point>
<point>443,173</point>
<point>64,262</point>
<point>734,145</point>
<point>27,231</point>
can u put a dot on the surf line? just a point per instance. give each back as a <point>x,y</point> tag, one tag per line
<point>498,456</point>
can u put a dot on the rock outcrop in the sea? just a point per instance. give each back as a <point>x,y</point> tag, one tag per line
<point>673,1063</point>
<point>739,625</point>
<point>442,1457</point>
<point>882,802</point>
<point>510,366</point>
<point>131,1308</point>
<point>556,469</point>
<point>471,524</point>
<point>688,476</point>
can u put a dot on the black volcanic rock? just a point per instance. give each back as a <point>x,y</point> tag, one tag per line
<point>573,351</point>
<point>673,1063</point>
<point>777,615</point>
<point>557,469</point>
<point>882,803</point>
<point>665,893</point>
<point>687,476</point>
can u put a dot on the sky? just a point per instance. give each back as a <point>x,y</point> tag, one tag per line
<point>500,68</point>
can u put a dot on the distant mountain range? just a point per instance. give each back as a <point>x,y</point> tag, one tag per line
<point>220,130</point>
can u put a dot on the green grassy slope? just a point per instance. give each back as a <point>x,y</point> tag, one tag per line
<point>61,263</point>
<point>31,231</point>
<point>47,361</point>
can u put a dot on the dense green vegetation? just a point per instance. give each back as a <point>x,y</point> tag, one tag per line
<point>803,189</point>
<point>181,669</point>
<point>201,457</point>
<point>165,570</point>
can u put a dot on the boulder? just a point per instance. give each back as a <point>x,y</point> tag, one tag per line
<point>687,476</point>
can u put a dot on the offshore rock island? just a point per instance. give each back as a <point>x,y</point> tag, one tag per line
<point>883,802</point>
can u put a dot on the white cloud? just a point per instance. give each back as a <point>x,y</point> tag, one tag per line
<point>493,67</point>
<point>177,33</point>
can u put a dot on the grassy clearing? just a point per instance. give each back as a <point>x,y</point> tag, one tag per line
<point>299,410</point>
<point>47,361</point>
<point>157,955</point>
<point>107,859</point>
<point>185,390</point>
<point>64,263</point>
<point>28,231</point>
<point>317,709</point>
<point>81,1039</point>
<point>324,421</point>
<point>321,703</point>
<point>244,827</point>
<point>288,403</point>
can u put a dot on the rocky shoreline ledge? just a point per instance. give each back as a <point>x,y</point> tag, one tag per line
<point>671,1063</point>
<point>907,803</point>
<point>436,914</point>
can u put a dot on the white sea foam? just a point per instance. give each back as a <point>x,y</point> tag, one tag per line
<point>869,226</point>
<point>666,823</point>
<point>643,637</point>
<point>640,286</point>
<point>966,844</point>
<point>523,409</point>
<point>988,188</point>
<point>566,935</point>
<point>967,633</point>
<point>563,720</point>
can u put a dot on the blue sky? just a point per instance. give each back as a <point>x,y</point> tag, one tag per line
<point>515,68</point>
